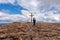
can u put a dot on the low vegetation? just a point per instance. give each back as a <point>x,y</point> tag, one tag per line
<point>26,31</point>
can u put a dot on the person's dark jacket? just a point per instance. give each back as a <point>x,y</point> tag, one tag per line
<point>34,21</point>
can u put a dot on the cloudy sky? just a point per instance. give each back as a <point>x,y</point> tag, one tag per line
<point>20,10</point>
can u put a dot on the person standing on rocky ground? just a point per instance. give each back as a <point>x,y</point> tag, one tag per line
<point>34,21</point>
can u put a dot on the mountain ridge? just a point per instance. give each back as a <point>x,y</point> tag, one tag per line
<point>26,31</point>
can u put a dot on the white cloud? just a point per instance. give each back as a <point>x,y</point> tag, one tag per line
<point>7,1</point>
<point>51,3</point>
<point>35,4</point>
<point>11,1</point>
<point>13,18</point>
<point>26,17</point>
<point>34,7</point>
<point>51,17</point>
<point>31,5</point>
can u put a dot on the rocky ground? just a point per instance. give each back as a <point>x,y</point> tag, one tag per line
<point>26,31</point>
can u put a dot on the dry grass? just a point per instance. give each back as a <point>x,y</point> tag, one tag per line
<point>26,31</point>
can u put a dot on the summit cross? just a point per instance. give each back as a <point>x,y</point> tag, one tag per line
<point>31,17</point>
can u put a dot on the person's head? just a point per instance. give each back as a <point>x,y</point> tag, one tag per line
<point>34,18</point>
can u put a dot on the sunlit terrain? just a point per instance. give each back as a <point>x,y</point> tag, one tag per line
<point>26,31</point>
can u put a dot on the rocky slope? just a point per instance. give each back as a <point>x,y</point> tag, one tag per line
<point>26,31</point>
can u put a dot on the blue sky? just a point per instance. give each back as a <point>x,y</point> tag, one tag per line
<point>19,10</point>
<point>13,9</point>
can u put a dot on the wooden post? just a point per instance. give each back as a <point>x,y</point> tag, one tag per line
<point>31,17</point>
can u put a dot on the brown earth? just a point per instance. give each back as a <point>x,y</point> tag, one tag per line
<point>26,31</point>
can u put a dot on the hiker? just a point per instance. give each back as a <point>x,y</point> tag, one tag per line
<point>34,21</point>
